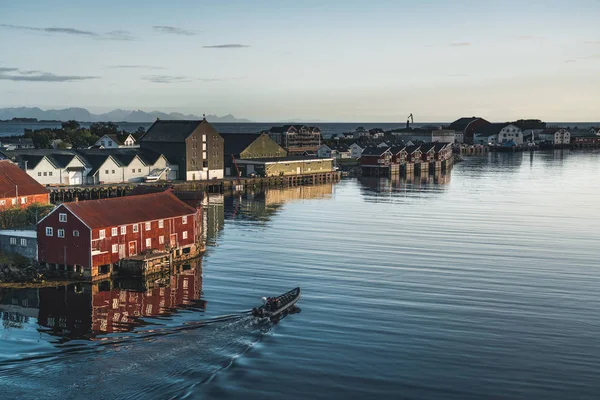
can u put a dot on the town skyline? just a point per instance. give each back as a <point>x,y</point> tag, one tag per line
<point>338,62</point>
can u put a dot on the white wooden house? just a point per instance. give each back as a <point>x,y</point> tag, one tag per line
<point>116,141</point>
<point>499,133</point>
<point>356,150</point>
<point>555,136</point>
<point>53,168</point>
<point>324,151</point>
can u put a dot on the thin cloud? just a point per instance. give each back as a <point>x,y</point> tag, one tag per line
<point>119,35</point>
<point>460,44</point>
<point>172,30</point>
<point>114,35</point>
<point>17,75</point>
<point>180,79</point>
<point>227,46</point>
<point>68,31</point>
<point>167,79</point>
<point>150,67</point>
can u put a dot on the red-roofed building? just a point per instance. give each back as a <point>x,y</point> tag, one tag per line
<point>18,189</point>
<point>92,237</point>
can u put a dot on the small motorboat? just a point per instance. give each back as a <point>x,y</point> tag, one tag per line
<point>275,307</point>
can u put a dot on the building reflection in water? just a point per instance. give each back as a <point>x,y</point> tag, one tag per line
<point>213,218</point>
<point>261,206</point>
<point>86,310</point>
<point>409,183</point>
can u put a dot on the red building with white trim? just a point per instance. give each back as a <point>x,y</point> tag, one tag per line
<point>18,189</point>
<point>92,237</point>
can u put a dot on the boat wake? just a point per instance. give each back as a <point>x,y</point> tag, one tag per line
<point>190,353</point>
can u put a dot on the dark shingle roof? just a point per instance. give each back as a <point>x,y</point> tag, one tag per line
<point>427,147</point>
<point>412,149</point>
<point>374,151</point>
<point>491,129</point>
<point>462,123</point>
<point>235,143</point>
<point>441,146</point>
<point>170,131</point>
<point>397,149</point>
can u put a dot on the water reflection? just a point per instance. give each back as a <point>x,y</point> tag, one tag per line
<point>400,185</point>
<point>82,310</point>
<point>261,206</point>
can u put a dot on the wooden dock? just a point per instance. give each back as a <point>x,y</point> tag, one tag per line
<point>190,190</point>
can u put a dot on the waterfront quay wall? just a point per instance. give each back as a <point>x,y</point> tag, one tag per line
<point>187,190</point>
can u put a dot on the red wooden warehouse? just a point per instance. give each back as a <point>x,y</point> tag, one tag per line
<point>18,189</point>
<point>92,237</point>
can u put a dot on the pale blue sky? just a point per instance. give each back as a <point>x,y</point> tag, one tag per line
<point>347,60</point>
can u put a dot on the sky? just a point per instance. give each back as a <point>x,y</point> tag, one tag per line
<point>367,61</point>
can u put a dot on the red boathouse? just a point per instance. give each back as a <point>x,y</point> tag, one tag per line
<point>92,237</point>
<point>18,189</point>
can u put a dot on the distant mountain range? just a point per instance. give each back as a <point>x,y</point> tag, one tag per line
<point>118,115</point>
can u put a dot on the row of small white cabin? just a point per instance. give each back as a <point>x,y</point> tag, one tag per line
<point>77,169</point>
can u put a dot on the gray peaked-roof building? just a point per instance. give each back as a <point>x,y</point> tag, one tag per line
<point>195,146</point>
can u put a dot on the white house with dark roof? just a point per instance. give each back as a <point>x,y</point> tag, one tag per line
<point>116,141</point>
<point>324,151</point>
<point>555,136</point>
<point>355,150</point>
<point>498,133</point>
<point>53,167</point>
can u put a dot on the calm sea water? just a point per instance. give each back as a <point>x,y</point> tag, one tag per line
<point>479,284</point>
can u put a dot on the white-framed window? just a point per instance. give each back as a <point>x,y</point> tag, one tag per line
<point>75,233</point>
<point>14,201</point>
<point>23,242</point>
<point>161,240</point>
<point>204,138</point>
<point>123,230</point>
<point>135,228</point>
<point>101,233</point>
<point>161,223</point>
<point>115,248</point>
<point>2,202</point>
<point>13,241</point>
<point>184,219</point>
<point>114,231</point>
<point>23,200</point>
<point>62,217</point>
<point>184,235</point>
<point>60,233</point>
<point>148,225</point>
<point>49,231</point>
<point>39,174</point>
<point>148,242</point>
